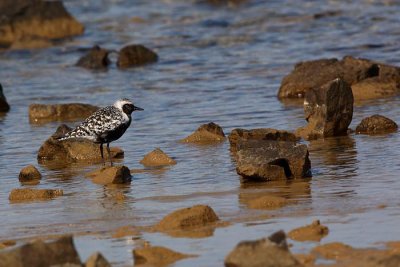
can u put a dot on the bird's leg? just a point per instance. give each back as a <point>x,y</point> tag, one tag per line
<point>109,153</point>
<point>101,152</point>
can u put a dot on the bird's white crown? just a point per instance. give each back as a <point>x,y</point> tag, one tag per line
<point>121,102</point>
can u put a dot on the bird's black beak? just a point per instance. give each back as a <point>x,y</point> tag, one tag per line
<point>137,108</point>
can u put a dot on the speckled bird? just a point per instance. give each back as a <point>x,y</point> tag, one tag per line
<point>105,125</point>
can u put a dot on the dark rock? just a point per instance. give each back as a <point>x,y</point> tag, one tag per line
<point>329,13</point>
<point>376,124</point>
<point>41,113</point>
<point>96,58</point>
<point>313,74</point>
<point>25,20</point>
<point>29,194</point>
<point>4,107</point>
<point>272,160</point>
<point>238,135</point>
<point>267,252</point>
<point>156,256</point>
<point>29,173</point>
<point>135,55</point>
<point>38,254</point>
<point>157,157</point>
<point>97,260</point>
<point>328,110</point>
<point>111,175</point>
<point>73,150</point>
<point>206,133</point>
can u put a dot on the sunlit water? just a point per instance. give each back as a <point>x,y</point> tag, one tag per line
<point>216,64</point>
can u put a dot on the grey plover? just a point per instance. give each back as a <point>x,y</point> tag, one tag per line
<point>105,125</point>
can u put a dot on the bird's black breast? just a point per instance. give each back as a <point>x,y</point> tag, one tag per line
<point>113,134</point>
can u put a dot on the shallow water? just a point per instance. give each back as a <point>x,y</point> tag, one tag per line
<point>216,64</point>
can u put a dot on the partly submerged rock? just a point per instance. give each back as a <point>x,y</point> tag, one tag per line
<point>73,150</point>
<point>41,113</point>
<point>157,256</point>
<point>60,252</point>
<point>313,74</point>
<point>97,260</point>
<point>4,106</point>
<point>259,134</point>
<point>272,160</point>
<point>328,110</point>
<point>267,202</point>
<point>206,133</point>
<point>157,157</point>
<point>96,59</point>
<point>111,175</point>
<point>267,252</point>
<point>29,173</point>
<point>135,55</point>
<point>312,232</point>
<point>7,243</point>
<point>376,124</point>
<point>24,23</point>
<point>29,194</point>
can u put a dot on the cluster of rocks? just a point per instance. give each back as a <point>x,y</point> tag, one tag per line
<point>134,55</point>
<point>37,23</point>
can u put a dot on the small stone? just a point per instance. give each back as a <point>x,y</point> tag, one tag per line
<point>111,175</point>
<point>41,113</point>
<point>157,256</point>
<point>96,58</point>
<point>157,157</point>
<point>28,194</point>
<point>135,55</point>
<point>376,124</point>
<point>4,106</point>
<point>267,252</point>
<point>206,133</point>
<point>29,173</point>
<point>97,260</point>
<point>312,232</point>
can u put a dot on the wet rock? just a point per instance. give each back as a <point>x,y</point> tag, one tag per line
<point>259,134</point>
<point>37,254</point>
<point>29,173</point>
<point>125,231</point>
<point>187,218</point>
<point>206,133</point>
<point>97,260</point>
<point>312,232</point>
<point>272,160</point>
<point>111,175</point>
<point>328,110</point>
<point>313,74</point>
<point>135,55</point>
<point>7,243</point>
<point>73,150</point>
<point>4,107</point>
<point>157,157</point>
<point>27,194</point>
<point>267,202</point>
<point>376,124</point>
<point>41,113</point>
<point>96,58</point>
<point>267,252</point>
<point>157,256</point>
<point>24,21</point>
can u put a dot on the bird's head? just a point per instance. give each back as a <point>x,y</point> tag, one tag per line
<point>126,106</point>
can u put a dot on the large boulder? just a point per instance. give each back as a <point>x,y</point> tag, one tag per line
<point>41,113</point>
<point>267,252</point>
<point>135,55</point>
<point>206,133</point>
<point>368,79</point>
<point>4,106</point>
<point>238,135</point>
<point>73,150</point>
<point>328,110</point>
<point>25,23</point>
<point>96,58</point>
<point>376,124</point>
<point>272,160</point>
<point>60,252</point>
